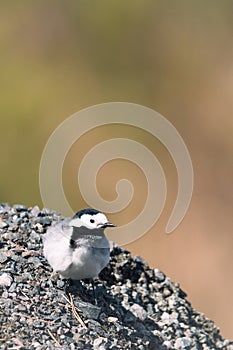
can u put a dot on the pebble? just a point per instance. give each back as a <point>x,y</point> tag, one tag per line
<point>138,307</point>
<point>138,311</point>
<point>159,276</point>
<point>112,319</point>
<point>60,283</point>
<point>182,343</point>
<point>166,292</point>
<point>3,257</point>
<point>3,224</point>
<point>89,311</point>
<point>35,211</point>
<point>20,207</point>
<point>35,261</point>
<point>5,279</point>
<point>12,287</point>
<point>100,343</point>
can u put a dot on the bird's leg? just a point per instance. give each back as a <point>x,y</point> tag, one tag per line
<point>94,291</point>
<point>91,280</point>
<point>68,285</point>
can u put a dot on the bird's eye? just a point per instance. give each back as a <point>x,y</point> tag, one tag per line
<point>92,221</point>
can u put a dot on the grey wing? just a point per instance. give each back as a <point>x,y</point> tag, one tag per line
<point>58,231</point>
<point>57,246</point>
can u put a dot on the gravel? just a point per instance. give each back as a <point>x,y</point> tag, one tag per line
<point>138,307</point>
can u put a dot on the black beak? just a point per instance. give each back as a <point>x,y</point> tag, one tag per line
<point>107,224</point>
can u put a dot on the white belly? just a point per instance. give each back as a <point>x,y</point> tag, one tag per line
<point>87,262</point>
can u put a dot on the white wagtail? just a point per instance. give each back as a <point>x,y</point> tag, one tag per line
<point>77,248</point>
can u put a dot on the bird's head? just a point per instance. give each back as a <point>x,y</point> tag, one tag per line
<point>91,219</point>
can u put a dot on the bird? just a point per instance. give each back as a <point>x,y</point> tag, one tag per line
<point>76,247</point>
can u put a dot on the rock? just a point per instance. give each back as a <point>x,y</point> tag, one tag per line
<point>35,210</point>
<point>159,276</point>
<point>3,224</point>
<point>100,344</point>
<point>138,312</point>
<point>5,279</point>
<point>20,207</point>
<point>3,257</point>
<point>112,319</point>
<point>182,343</point>
<point>138,307</point>
<point>35,261</point>
<point>89,311</point>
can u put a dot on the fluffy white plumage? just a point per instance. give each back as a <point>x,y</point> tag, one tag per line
<point>77,248</point>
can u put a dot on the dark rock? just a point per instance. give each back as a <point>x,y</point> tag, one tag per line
<point>88,310</point>
<point>19,207</point>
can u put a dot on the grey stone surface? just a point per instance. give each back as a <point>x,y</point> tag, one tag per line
<point>138,307</point>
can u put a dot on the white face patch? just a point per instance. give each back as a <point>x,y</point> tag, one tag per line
<point>90,221</point>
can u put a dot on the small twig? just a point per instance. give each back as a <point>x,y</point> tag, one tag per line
<point>54,339</point>
<point>67,299</point>
<point>74,310</point>
<point>64,305</point>
<point>76,313</point>
<point>24,294</point>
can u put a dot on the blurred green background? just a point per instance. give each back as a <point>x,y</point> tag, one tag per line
<point>58,57</point>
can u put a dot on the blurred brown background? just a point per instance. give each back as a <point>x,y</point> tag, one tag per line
<point>175,57</point>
